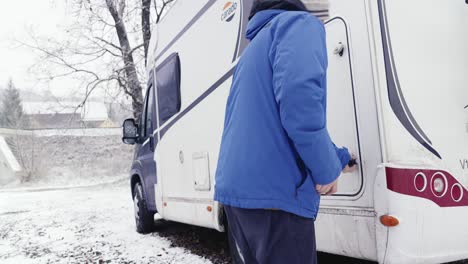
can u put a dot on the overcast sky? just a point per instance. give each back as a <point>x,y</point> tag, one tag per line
<point>45,17</point>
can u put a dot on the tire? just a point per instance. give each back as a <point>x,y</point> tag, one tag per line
<point>236,257</point>
<point>144,219</point>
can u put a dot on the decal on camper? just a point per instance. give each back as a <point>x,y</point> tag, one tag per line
<point>464,164</point>
<point>395,93</point>
<point>229,11</point>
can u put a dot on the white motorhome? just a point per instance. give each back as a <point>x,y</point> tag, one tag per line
<point>397,80</point>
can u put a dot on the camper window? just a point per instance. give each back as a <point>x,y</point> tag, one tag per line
<point>168,84</point>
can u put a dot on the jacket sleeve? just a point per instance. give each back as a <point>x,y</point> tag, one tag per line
<point>299,63</point>
<point>343,155</point>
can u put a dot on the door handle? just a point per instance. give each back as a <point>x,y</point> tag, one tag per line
<point>353,162</point>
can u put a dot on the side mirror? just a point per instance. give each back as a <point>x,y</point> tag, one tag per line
<point>130,131</point>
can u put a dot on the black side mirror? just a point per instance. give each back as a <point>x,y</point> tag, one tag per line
<point>130,131</point>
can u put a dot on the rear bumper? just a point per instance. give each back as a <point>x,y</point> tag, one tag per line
<point>428,230</point>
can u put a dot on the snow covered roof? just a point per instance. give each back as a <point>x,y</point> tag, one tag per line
<point>92,111</point>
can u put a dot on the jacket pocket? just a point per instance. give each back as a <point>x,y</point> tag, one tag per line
<point>307,195</point>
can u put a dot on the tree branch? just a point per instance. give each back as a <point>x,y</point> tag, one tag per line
<point>160,12</point>
<point>61,60</point>
<point>109,43</point>
<point>135,48</point>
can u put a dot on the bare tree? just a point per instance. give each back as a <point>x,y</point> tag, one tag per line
<point>29,155</point>
<point>132,85</point>
<point>160,8</point>
<point>106,47</point>
<point>146,24</point>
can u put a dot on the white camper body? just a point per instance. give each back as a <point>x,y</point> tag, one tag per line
<point>398,98</point>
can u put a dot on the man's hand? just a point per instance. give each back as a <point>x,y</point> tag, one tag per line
<point>328,189</point>
<point>332,188</point>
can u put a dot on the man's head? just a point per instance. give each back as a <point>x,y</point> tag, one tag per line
<point>289,5</point>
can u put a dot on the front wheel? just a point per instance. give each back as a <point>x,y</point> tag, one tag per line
<point>144,219</point>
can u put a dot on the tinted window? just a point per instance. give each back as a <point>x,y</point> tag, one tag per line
<point>147,116</point>
<point>168,83</point>
<point>142,121</point>
<point>149,126</point>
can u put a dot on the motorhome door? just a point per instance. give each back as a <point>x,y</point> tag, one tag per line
<point>341,107</point>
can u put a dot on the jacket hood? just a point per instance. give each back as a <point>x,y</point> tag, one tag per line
<point>263,11</point>
<point>288,5</point>
<point>259,21</point>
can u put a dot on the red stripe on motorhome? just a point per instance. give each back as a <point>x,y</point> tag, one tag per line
<point>422,184</point>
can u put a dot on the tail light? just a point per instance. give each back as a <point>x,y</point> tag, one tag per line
<point>438,186</point>
<point>420,182</point>
<point>457,192</point>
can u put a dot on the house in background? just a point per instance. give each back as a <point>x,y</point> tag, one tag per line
<point>61,115</point>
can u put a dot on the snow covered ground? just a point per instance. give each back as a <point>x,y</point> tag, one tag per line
<point>79,225</point>
<point>96,225</point>
<point>72,160</point>
<point>78,209</point>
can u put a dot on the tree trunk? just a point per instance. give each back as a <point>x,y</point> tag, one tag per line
<point>146,25</point>
<point>133,82</point>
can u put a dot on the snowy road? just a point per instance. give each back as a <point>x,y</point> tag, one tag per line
<point>96,225</point>
<point>89,225</point>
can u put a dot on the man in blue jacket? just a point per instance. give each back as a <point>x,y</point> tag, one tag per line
<point>276,156</point>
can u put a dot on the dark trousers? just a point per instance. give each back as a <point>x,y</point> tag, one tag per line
<point>272,236</point>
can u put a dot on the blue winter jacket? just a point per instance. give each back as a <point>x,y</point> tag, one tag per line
<point>275,146</point>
